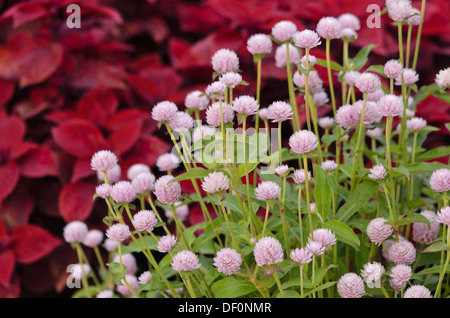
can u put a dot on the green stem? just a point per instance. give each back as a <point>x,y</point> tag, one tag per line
<point>308,121</point>
<point>121,269</point>
<point>84,281</point>
<point>305,164</point>
<point>330,79</point>
<point>300,220</point>
<point>277,279</point>
<point>265,219</point>
<point>358,143</point>
<point>400,42</point>
<point>408,44</point>
<point>292,100</point>
<point>444,269</point>
<point>419,33</point>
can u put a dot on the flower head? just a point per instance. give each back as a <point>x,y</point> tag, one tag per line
<point>167,193</point>
<point>299,176</point>
<point>368,83</point>
<point>143,182</point>
<point>259,44</point>
<point>181,122</point>
<point>422,233</point>
<point>111,245</point>
<point>301,255</point>
<point>123,192</point>
<point>329,165</point>
<point>371,114</point>
<point>311,61</point>
<point>372,273</point>
<point>182,211</point>
<point>329,28</point>
<point>416,123</point>
<point>350,21</point>
<point>281,170</point>
<point>227,261</point>
<point>443,216</point>
<point>263,113</point>
<point>283,30</point>
<point>145,220</point>
<point>185,261</point>
<point>281,55</point>
<point>409,77</point>
<point>201,132</point>
<point>279,111</point>
<point>213,114</point>
<point>378,172</point>
<point>306,39</point>
<point>390,105</point>
<point>375,96</point>
<point>129,261</point>
<point>374,133</point>
<point>112,175</point>
<point>378,231</point>
<point>103,160</point>
<point>323,236</point>
<point>216,90</point>
<point>440,180</point>
<point>316,248</point>
<point>231,79</point>
<point>267,190</point>
<point>196,100</point>
<point>351,285</point>
<point>320,98</point>
<point>350,77</point>
<point>132,282</point>
<point>136,169</point>
<point>93,238</point>
<point>75,231</point>
<point>402,252</point>
<point>303,141</point>
<point>417,291</point>
<point>245,105</point>
<point>224,61</point>
<point>79,271</point>
<point>164,111</point>
<point>145,277</point>
<point>168,162</point>
<point>103,190</point>
<point>443,78</point>
<point>326,122</point>
<point>166,243</point>
<point>118,232</point>
<point>314,81</point>
<point>216,182</point>
<point>105,294</point>
<point>393,69</point>
<point>399,10</point>
<point>400,275</point>
<point>268,251</point>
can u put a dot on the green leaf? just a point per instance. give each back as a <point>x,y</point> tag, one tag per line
<point>433,270</point>
<point>434,153</point>
<point>413,218</point>
<point>423,93</point>
<point>377,69</point>
<point>322,193</point>
<point>426,167</point>
<point>194,173</point>
<point>343,233</point>
<point>320,273</point>
<point>232,288</point>
<point>414,204</point>
<point>357,199</point>
<point>250,167</point>
<point>333,65</point>
<point>321,287</point>
<point>361,58</point>
<point>436,247</point>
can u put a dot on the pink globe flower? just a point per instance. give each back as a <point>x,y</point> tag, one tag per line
<point>443,78</point>
<point>326,122</point>
<point>112,175</point>
<point>118,232</point>
<point>390,105</point>
<point>417,291</point>
<point>103,190</point>
<point>263,113</point>
<point>167,193</point>
<point>347,117</point>
<point>303,141</point>
<point>103,160</point>
<point>416,123</point>
<point>329,165</point>
<point>283,30</point>
<point>168,162</point>
<point>350,77</point>
<point>314,82</point>
<point>281,170</point>
<point>443,216</point>
<point>399,10</point>
<point>213,114</point>
<point>231,79</point>
<point>409,77</point>
<point>402,252</point>
<point>378,172</point>
<point>105,294</point>
<point>259,44</point>
<point>281,55</point>
<point>182,211</point>
<point>329,28</point>
<point>224,61</point>
<point>440,180</point>
<point>320,98</point>
<point>216,90</point>
<point>145,277</point>
<point>348,34</point>
<point>374,133</point>
<point>123,192</point>
<point>375,96</point>
<point>129,261</point>
<point>306,39</point>
<point>227,261</point>
<point>143,182</point>
<point>164,111</point>
<point>279,112</point>
<point>351,285</point>
<point>245,105</point>
<point>268,251</point>
<point>181,122</point>
<point>196,100</point>
<point>372,273</point>
<point>422,233</point>
<point>79,271</point>
<point>301,255</point>
<point>75,231</point>
<point>350,21</point>
<point>123,288</point>
<point>185,261</point>
<point>267,190</point>
<point>201,132</point>
<point>216,182</point>
<point>378,231</point>
<point>166,243</point>
<point>316,248</point>
<point>368,83</point>
<point>414,17</point>
<point>311,61</point>
<point>93,238</point>
<point>299,176</point>
<point>136,169</point>
<point>371,114</point>
<point>393,69</point>
<point>400,275</point>
<point>145,220</point>
<point>409,113</point>
<point>323,236</point>
<point>111,245</point>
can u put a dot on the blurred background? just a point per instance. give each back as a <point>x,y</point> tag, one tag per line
<point>66,93</point>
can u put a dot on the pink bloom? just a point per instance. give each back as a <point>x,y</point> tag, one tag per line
<point>402,252</point>
<point>267,190</point>
<point>283,30</point>
<point>75,231</point>
<point>303,141</point>
<point>143,182</point>
<point>350,77</point>
<point>185,261</point>
<point>145,220</point>
<point>306,39</point>
<point>393,69</point>
<point>279,111</point>
<point>227,261</point>
<point>440,180</point>
<point>123,192</point>
<point>368,83</point>
<point>281,170</point>
<point>103,190</point>
<point>164,111</point>
<point>417,291</point>
<point>202,132</point>
<point>323,236</point>
<point>93,238</point>
<point>105,294</point>
<point>145,277</point>
<point>231,79</point>
<point>259,44</point>
<point>268,251</point>
<point>408,113</point>
<point>112,175</point>
<point>316,248</point>
<point>443,216</point>
<point>390,105</point>
<point>129,261</point>
<point>215,182</point>
<point>263,113</point>
<point>168,162</point>
<point>301,255</point>
<point>182,211</point>
<point>374,133</point>
<point>351,285</point>
<point>329,28</point>
<point>400,275</point>
<point>326,122</point>
<point>224,61</point>
<point>372,272</point>
<point>111,245</point>
<point>103,160</point>
<point>329,165</point>
<point>416,123</point>
<point>166,243</point>
<point>299,176</point>
<point>281,55</point>
<point>378,231</point>
<point>320,98</point>
<point>245,105</point>
<point>314,82</point>
<point>371,114</point>
<point>348,20</point>
<point>78,271</point>
<point>167,193</point>
<point>136,169</point>
<point>375,96</point>
<point>196,100</point>
<point>346,117</point>
<point>443,78</point>
<point>181,122</point>
<point>213,114</point>
<point>409,77</point>
<point>378,172</point>
<point>423,233</point>
<point>118,232</point>
<point>414,17</point>
<point>123,288</point>
<point>216,90</point>
<point>349,34</point>
<point>311,61</point>
<point>399,10</point>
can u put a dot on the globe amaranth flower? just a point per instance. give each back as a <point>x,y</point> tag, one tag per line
<point>167,193</point>
<point>215,182</point>
<point>224,61</point>
<point>79,271</point>
<point>267,190</point>
<point>402,252</point>
<point>417,291</point>
<point>231,79</point>
<point>105,294</point>
<point>393,69</point>
<point>378,231</point>
<point>349,21</point>
<point>416,123</point>
<point>329,165</point>
<point>145,220</point>
<point>136,169</point>
<point>306,39</point>
<point>324,236</point>
<point>166,243</point>
<point>259,44</point>
<point>132,282</point>
<point>118,232</point>
<point>75,231</point>
<point>111,245</point>
<point>315,83</point>
<point>371,113</point>
<point>201,132</point>
<point>399,10</point>
<point>320,98</point>
<point>400,275</point>
<point>168,162</point>
<point>329,28</point>
<point>213,114</point>
<point>316,248</point>
<point>347,117</point>
<point>112,175</point>
<point>443,216</point>
<point>414,17</point>
<point>375,96</point>
<point>185,261</point>
<point>164,111</point>
<point>326,122</point>
<point>227,261</point>
<point>372,273</point>
<point>129,261</point>
<point>283,30</point>
<point>301,255</point>
<point>281,55</point>
<point>268,251</point>
<point>303,141</point>
<point>378,172</point>
<point>181,122</point>
<point>279,112</point>
<point>349,35</point>
<point>351,285</point>
<point>299,176</point>
<point>145,277</point>
<point>263,113</point>
<point>350,77</point>
<point>440,180</point>
<point>103,190</point>
<point>409,77</point>
<point>93,238</point>
<point>103,160</point>
<point>123,192</point>
<point>216,90</point>
<point>281,170</point>
<point>311,61</point>
<point>443,78</point>
<point>368,82</point>
<point>245,105</point>
<point>390,105</point>
<point>422,233</point>
<point>143,182</point>
<point>182,211</point>
<point>196,100</point>
<point>374,133</point>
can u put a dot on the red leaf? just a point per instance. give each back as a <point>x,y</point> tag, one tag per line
<point>98,104</point>
<point>7,263</point>
<point>126,117</point>
<point>87,74</point>
<point>75,200</point>
<point>31,243</point>
<point>157,28</point>
<point>8,67</point>
<point>82,169</point>
<point>12,130</point>
<point>62,116</point>
<point>79,138</point>
<point>37,163</point>
<point>147,149</point>
<point>16,209</point>
<point>123,139</point>
<point>21,148</point>
<point>25,12</point>
<point>6,91</point>
<point>14,288</point>
<point>9,176</point>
